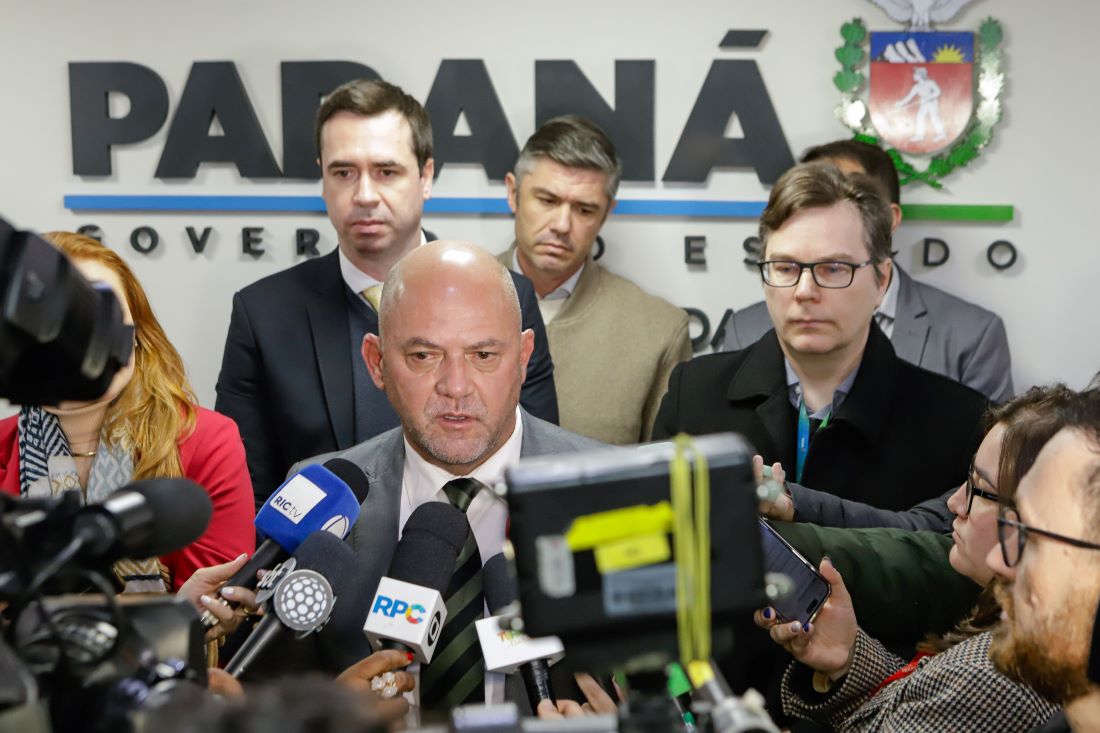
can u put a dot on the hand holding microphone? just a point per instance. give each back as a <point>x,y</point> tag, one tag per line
<point>317,498</point>
<point>298,595</point>
<point>597,701</point>
<point>509,650</point>
<point>380,674</point>
<point>201,589</point>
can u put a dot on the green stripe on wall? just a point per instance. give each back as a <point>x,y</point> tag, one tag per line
<point>957,212</point>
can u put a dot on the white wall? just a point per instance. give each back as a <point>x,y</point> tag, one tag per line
<point>1042,160</point>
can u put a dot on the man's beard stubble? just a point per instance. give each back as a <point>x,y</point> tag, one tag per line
<point>1050,658</point>
<point>447,453</point>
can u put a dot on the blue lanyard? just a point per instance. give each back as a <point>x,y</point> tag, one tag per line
<point>804,437</point>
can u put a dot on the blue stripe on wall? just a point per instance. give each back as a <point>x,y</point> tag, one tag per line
<point>441,205</point>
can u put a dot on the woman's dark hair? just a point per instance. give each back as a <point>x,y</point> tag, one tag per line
<point>1029,421</point>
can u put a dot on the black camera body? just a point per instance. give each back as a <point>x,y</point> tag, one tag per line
<point>87,662</point>
<point>101,665</point>
<point>61,338</point>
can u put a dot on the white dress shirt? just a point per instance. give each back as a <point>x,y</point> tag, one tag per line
<point>423,482</point>
<point>488,515</point>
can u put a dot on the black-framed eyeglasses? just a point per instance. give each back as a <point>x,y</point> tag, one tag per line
<point>972,490</point>
<point>826,273</point>
<point>1012,535</point>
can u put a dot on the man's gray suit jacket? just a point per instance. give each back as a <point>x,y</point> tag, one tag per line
<point>374,537</point>
<point>932,329</point>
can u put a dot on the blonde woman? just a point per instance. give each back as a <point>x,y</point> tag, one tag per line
<point>147,425</point>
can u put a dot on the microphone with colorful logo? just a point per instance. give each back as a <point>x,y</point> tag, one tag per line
<point>504,645</point>
<point>408,611</point>
<point>318,498</point>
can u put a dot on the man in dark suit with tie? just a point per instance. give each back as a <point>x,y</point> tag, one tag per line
<point>926,326</point>
<point>450,355</point>
<point>292,376</point>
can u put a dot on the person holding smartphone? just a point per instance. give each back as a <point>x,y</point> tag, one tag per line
<point>844,678</point>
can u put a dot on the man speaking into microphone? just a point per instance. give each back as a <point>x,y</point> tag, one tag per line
<point>451,357</point>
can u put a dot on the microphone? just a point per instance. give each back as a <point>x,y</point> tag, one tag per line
<point>147,518</point>
<point>506,648</point>
<point>408,611</point>
<point>317,498</point>
<point>298,595</point>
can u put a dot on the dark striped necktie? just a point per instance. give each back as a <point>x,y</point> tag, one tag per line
<point>456,674</point>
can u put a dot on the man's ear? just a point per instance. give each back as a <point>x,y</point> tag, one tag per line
<point>887,272</point>
<point>372,355</point>
<point>895,217</point>
<point>526,346</point>
<point>427,175</point>
<point>513,190</point>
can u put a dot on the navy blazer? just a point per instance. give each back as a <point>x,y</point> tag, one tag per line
<point>286,375</point>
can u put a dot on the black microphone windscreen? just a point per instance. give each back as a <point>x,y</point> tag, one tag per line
<point>328,555</point>
<point>430,542</point>
<point>351,475</point>
<point>498,583</point>
<point>179,512</point>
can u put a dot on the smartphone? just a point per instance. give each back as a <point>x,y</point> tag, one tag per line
<point>808,591</point>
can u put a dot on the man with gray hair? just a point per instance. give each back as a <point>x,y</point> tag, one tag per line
<point>613,345</point>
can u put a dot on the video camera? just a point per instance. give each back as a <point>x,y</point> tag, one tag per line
<point>609,558</point>
<point>88,662</point>
<point>61,337</point>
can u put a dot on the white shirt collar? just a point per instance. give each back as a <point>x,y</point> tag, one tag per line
<point>355,278</point>
<point>424,480</point>
<point>889,305</point>
<point>563,291</point>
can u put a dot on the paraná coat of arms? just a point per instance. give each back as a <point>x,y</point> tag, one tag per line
<point>932,94</point>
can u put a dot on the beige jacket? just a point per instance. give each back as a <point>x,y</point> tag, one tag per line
<point>613,347</point>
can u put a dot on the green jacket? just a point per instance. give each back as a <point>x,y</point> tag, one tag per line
<point>901,582</point>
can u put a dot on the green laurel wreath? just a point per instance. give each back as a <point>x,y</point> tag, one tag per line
<point>852,111</point>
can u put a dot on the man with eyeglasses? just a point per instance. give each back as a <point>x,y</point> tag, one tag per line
<point>1047,554</point>
<point>926,326</point>
<point>823,393</point>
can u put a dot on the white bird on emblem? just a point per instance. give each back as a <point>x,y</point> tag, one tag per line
<point>921,13</point>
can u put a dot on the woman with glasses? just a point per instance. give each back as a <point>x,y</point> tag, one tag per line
<point>850,681</point>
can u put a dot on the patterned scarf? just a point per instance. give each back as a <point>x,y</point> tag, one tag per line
<point>47,468</point>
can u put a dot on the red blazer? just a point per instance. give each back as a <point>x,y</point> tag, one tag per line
<point>213,457</point>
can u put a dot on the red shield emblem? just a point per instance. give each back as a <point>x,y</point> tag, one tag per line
<point>922,88</point>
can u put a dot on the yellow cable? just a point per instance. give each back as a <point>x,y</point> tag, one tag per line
<point>680,493</point>
<point>691,539</point>
<point>702,557</point>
